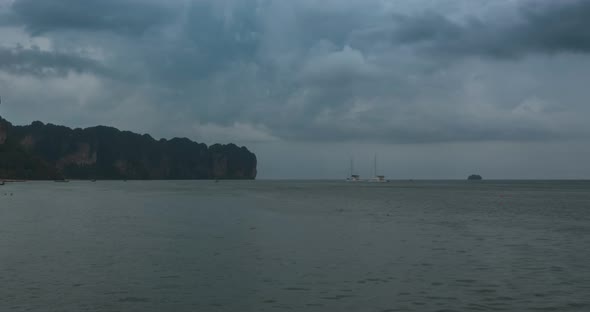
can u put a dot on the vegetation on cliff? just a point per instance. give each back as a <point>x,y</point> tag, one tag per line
<point>46,151</point>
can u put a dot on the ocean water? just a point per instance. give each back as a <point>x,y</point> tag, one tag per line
<point>295,246</point>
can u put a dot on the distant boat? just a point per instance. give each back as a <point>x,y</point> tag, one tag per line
<point>62,180</point>
<point>93,180</point>
<point>377,178</point>
<point>475,177</point>
<point>1,182</point>
<point>353,177</point>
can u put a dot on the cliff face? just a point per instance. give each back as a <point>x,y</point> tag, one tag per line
<point>107,153</point>
<point>3,131</point>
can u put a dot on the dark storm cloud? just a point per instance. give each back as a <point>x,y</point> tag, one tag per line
<point>205,42</point>
<point>33,61</point>
<point>543,27</point>
<point>122,16</point>
<point>333,70</point>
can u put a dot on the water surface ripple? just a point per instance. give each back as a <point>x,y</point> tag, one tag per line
<point>295,246</point>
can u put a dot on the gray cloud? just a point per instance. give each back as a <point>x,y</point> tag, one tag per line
<point>122,16</point>
<point>308,71</point>
<point>34,61</point>
<point>543,27</point>
<point>207,40</point>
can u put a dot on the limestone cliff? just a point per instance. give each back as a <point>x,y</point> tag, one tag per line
<point>51,151</point>
<point>3,131</point>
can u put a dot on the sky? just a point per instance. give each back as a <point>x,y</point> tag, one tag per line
<point>437,89</point>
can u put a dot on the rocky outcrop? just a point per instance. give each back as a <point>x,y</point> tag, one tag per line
<point>107,153</point>
<point>16,163</point>
<point>3,130</point>
<point>475,177</point>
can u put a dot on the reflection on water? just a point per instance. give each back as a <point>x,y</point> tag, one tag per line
<point>300,246</point>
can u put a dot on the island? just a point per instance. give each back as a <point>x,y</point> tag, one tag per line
<point>474,177</point>
<point>50,152</point>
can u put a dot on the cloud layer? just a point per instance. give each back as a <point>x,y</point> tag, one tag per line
<point>322,71</point>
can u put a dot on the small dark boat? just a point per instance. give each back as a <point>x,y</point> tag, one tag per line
<point>1,182</point>
<point>474,177</point>
<point>62,181</point>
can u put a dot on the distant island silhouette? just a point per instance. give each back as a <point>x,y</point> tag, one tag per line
<point>475,177</point>
<point>49,152</point>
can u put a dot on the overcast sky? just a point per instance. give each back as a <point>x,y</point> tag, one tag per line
<point>435,88</point>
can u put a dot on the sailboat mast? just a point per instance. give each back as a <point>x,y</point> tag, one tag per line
<point>375,165</point>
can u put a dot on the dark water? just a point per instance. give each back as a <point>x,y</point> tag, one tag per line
<point>299,246</point>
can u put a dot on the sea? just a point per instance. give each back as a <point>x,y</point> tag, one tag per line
<point>295,246</point>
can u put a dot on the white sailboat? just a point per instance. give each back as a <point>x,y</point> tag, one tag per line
<point>377,178</point>
<point>353,177</point>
